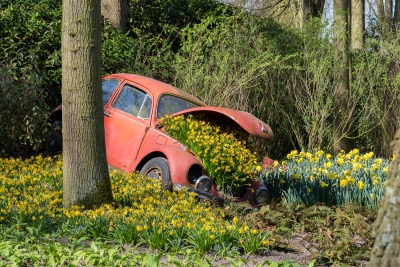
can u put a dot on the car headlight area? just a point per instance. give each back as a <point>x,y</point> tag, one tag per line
<point>261,197</point>
<point>203,183</point>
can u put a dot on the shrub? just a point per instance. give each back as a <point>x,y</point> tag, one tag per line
<point>23,111</point>
<point>32,29</point>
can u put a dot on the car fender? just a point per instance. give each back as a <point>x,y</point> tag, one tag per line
<point>179,157</point>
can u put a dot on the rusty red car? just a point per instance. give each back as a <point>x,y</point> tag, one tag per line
<point>135,140</point>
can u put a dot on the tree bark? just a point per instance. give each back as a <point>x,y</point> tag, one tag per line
<point>396,17</point>
<point>386,249</point>
<point>343,126</point>
<point>115,12</point>
<point>357,24</point>
<point>86,181</point>
<point>389,12</point>
<point>386,18</point>
<point>381,10</point>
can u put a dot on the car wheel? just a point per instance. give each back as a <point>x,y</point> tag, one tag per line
<point>158,168</point>
<point>53,145</point>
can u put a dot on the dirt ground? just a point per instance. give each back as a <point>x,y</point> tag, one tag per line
<point>303,252</point>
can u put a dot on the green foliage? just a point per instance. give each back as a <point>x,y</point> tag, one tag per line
<point>30,71</point>
<point>376,79</point>
<point>285,77</point>
<point>309,179</point>
<point>23,109</point>
<point>159,20</point>
<point>118,51</point>
<point>53,250</point>
<point>121,53</point>
<point>229,58</point>
<point>235,61</point>
<point>32,29</point>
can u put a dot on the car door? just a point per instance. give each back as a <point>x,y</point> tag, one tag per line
<point>126,121</point>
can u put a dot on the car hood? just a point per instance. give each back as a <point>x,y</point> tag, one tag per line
<point>248,122</point>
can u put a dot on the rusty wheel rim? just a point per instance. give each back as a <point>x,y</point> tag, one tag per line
<point>154,172</point>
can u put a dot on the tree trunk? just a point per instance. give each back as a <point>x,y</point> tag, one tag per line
<point>115,12</point>
<point>385,15</point>
<point>357,24</point>
<point>386,249</point>
<point>343,126</point>
<point>396,17</point>
<point>86,181</point>
<point>389,12</point>
<point>381,10</point>
<point>312,8</point>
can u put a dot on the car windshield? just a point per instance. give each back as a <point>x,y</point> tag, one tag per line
<point>170,104</point>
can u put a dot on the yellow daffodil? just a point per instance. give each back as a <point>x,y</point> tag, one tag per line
<point>360,185</point>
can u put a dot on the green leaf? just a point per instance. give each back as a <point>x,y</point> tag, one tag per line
<point>150,261</point>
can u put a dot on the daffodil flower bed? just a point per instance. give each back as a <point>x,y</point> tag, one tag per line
<point>311,178</point>
<point>224,152</point>
<point>143,213</point>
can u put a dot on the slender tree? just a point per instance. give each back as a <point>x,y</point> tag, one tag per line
<point>380,5</point>
<point>115,12</point>
<point>389,12</point>
<point>343,128</point>
<point>396,18</point>
<point>386,249</point>
<point>312,8</point>
<point>86,181</point>
<point>357,24</point>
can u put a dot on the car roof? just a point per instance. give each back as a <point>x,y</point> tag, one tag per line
<point>156,87</point>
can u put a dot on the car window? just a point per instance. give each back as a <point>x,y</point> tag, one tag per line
<point>133,101</point>
<point>170,104</point>
<point>144,111</point>
<point>108,86</point>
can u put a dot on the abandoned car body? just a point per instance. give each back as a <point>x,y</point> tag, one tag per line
<point>133,107</point>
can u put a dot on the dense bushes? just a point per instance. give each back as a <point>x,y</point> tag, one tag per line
<point>285,77</point>
<point>23,111</point>
<point>225,57</point>
<point>32,29</point>
<point>30,71</point>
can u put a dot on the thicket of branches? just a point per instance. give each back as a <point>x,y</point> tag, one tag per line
<point>224,56</point>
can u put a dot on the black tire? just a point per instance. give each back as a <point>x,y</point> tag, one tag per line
<point>158,168</point>
<point>53,146</point>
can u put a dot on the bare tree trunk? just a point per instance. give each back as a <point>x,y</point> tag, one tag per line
<point>391,104</point>
<point>388,12</point>
<point>396,17</point>
<point>86,181</point>
<point>357,24</point>
<point>115,12</point>
<point>386,249</point>
<point>386,18</point>
<point>381,10</point>
<point>343,127</point>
